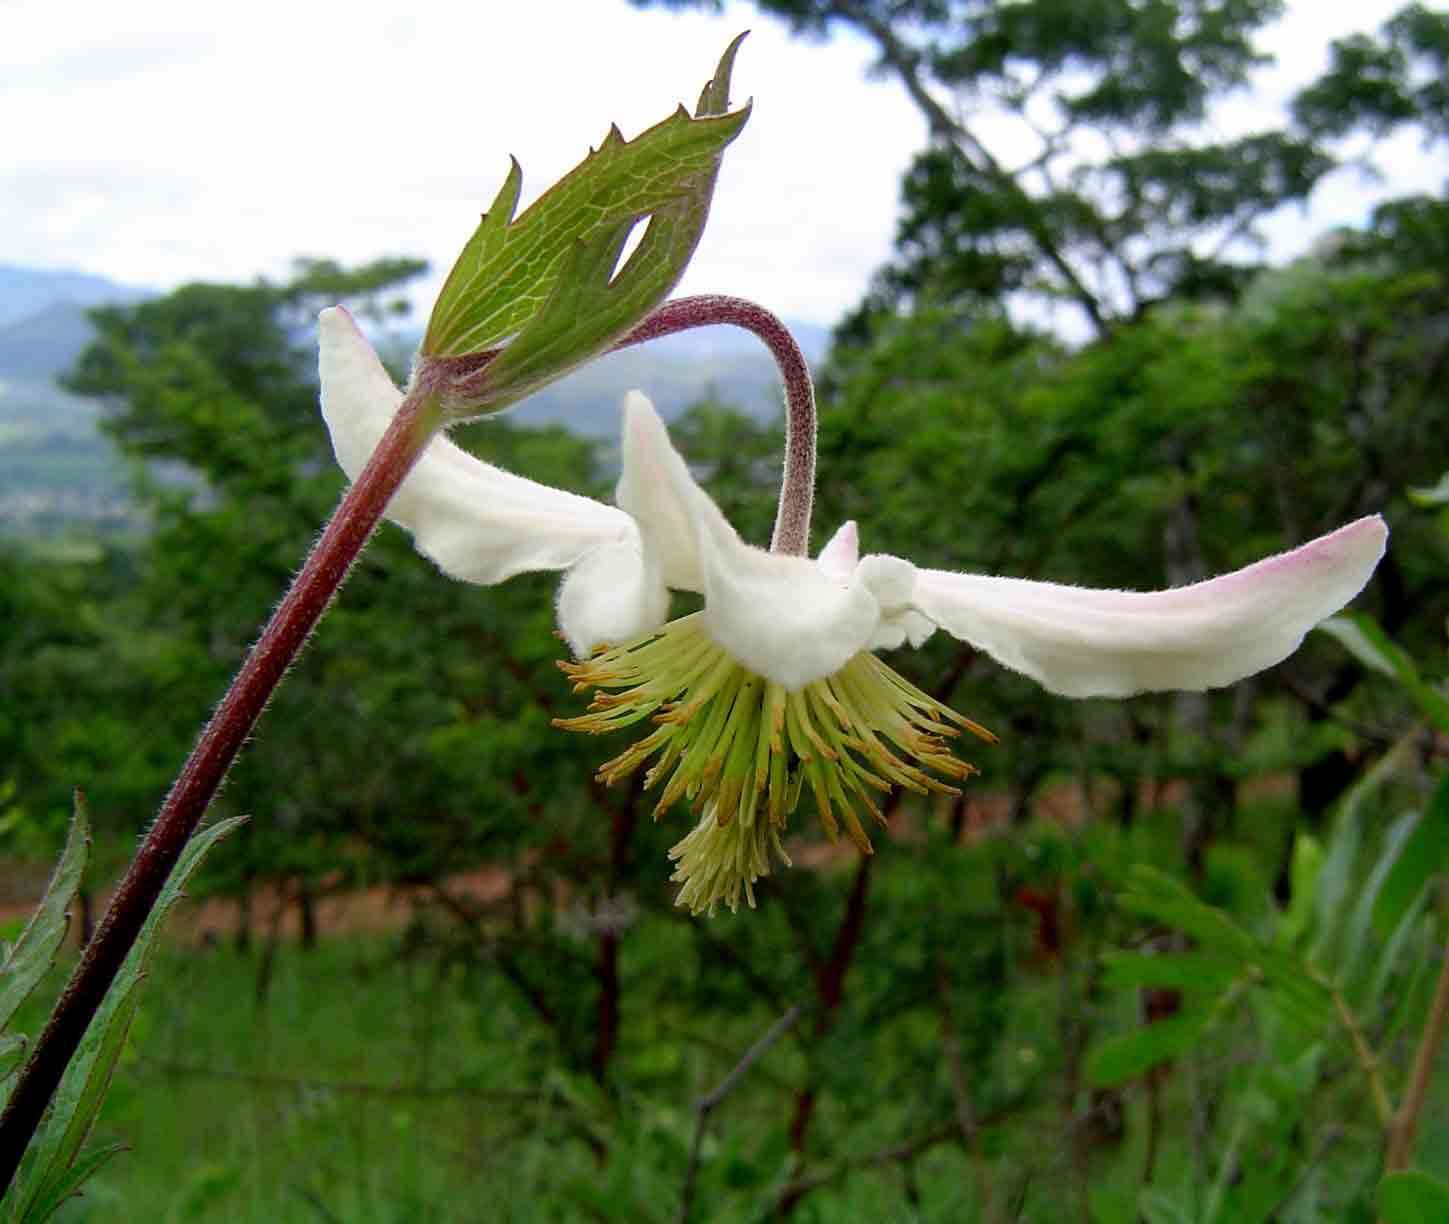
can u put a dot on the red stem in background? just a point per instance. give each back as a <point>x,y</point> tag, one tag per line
<point>350,527</point>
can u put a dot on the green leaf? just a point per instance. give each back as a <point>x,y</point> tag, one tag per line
<point>1425,854</point>
<point>1157,895</point>
<point>1191,971</point>
<point>1361,635</point>
<point>74,1178</point>
<point>34,952</point>
<point>1340,945</point>
<point>1128,1055</point>
<point>543,287</point>
<point>1308,860</point>
<point>83,1087</point>
<point>1413,1197</point>
<point>1436,495</point>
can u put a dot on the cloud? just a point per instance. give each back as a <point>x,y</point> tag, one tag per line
<point>167,140</point>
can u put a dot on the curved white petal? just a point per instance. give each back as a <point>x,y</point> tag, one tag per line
<point>841,553</point>
<point>788,619</point>
<point>651,472</point>
<point>1087,643</point>
<point>477,522</point>
<point>612,596</point>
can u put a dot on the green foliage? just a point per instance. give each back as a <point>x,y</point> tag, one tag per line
<point>1413,1197</point>
<point>546,286</point>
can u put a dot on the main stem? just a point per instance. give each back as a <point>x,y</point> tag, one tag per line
<point>797,488</point>
<point>326,567</point>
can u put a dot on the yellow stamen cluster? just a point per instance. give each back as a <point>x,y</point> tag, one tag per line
<point>740,748</point>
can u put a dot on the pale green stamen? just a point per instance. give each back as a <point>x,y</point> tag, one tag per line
<point>739,748</point>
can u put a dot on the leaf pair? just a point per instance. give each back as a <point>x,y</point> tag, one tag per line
<point>55,1166</point>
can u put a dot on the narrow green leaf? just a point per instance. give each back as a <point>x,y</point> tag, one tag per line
<point>1339,945</point>
<point>506,285</point>
<point>77,1102</point>
<point>1413,1197</point>
<point>89,1164</point>
<point>1348,634</point>
<point>1362,636</point>
<point>1157,1208</point>
<point>34,952</point>
<point>1308,860</point>
<point>82,1089</point>
<point>1425,854</point>
<point>1128,1055</point>
<point>1435,495</point>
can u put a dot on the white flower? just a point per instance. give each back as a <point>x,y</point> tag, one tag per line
<point>773,684</point>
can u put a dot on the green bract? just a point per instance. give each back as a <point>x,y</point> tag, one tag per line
<point>541,289</point>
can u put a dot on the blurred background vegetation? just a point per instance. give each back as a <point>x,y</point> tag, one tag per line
<point>439,975</point>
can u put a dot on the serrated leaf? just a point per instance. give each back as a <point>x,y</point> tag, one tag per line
<point>544,285</point>
<point>82,1089</point>
<point>1362,636</point>
<point>1413,1197</point>
<point>34,952</point>
<point>1425,854</point>
<point>1128,1055</point>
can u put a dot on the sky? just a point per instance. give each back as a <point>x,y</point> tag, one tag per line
<point>161,141</point>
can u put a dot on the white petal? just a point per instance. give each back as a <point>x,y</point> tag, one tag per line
<point>612,596</point>
<point>1086,643</point>
<point>841,555</point>
<point>477,522</point>
<point>784,618</point>
<point>652,470</point>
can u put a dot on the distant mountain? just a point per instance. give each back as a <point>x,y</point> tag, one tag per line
<point>28,291</point>
<point>725,364</point>
<point>58,469</point>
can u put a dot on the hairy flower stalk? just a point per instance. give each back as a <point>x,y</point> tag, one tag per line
<point>740,748</point>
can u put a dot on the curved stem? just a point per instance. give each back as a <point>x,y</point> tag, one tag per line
<point>350,527</point>
<point>797,488</point>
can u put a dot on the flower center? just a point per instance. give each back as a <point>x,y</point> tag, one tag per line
<point>740,748</point>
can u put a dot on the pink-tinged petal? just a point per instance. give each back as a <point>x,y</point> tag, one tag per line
<point>1087,643</point>
<point>477,522</point>
<point>781,617</point>
<point>651,471</point>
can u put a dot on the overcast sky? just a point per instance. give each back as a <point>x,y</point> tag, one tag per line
<point>159,141</point>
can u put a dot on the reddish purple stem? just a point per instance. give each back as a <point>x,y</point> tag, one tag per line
<point>797,488</point>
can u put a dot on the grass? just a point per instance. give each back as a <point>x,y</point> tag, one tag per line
<point>361,1089</point>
